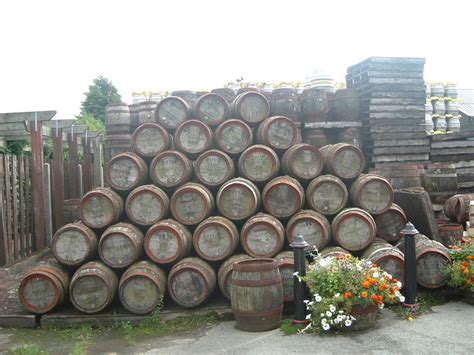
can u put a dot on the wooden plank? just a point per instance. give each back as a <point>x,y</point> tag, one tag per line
<point>73,162</point>
<point>452,144</point>
<point>37,184</point>
<point>452,151</point>
<point>401,150</point>
<point>57,177</point>
<point>14,117</point>
<point>87,165</point>
<point>453,136</point>
<point>333,125</point>
<point>97,147</point>
<point>30,234</point>
<point>59,124</point>
<point>48,219</point>
<point>80,177</point>
<point>22,207</point>
<point>8,205</point>
<point>4,255</point>
<point>16,237</point>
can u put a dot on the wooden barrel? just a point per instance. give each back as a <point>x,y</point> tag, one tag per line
<point>259,164</point>
<point>233,136</point>
<point>315,137</point>
<point>146,112</point>
<point>282,197</point>
<point>303,162</point>
<point>277,132</point>
<point>350,136</point>
<point>388,257</point>
<point>44,287</point>
<point>227,93</point>
<point>126,171</point>
<point>93,287</point>
<point>343,160</point>
<point>193,137</point>
<point>191,203</point>
<point>347,105</point>
<point>71,210</point>
<point>224,275</point>
<point>431,260</point>
<point>314,105</point>
<point>215,239</point>
<point>187,95</point>
<point>213,168</point>
<point>150,139</point>
<point>372,193</point>
<point>390,223</point>
<point>74,244</point>
<point>353,229</point>
<point>121,245</point>
<point>212,109</point>
<point>284,102</point>
<point>441,181</point>
<point>401,176</point>
<point>456,208</point>
<point>257,294</point>
<point>313,226</point>
<point>171,112</point>
<point>327,194</point>
<point>287,269</point>
<point>100,208</point>
<point>450,233</point>
<point>334,252</point>
<point>133,117</point>
<point>117,118</point>
<point>170,169</point>
<point>167,242</point>
<point>147,205</point>
<point>262,236</point>
<point>191,282</point>
<point>251,107</point>
<point>142,287</point>
<point>116,144</point>
<point>238,199</point>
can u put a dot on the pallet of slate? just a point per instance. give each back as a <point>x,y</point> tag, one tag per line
<point>392,92</point>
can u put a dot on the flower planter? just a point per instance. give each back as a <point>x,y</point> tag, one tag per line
<point>365,316</point>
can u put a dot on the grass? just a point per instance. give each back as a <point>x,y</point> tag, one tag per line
<point>28,349</point>
<point>288,328</point>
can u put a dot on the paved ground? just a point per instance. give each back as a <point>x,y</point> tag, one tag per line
<point>447,330</point>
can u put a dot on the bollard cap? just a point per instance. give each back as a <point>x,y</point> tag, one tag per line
<point>409,230</point>
<point>298,242</point>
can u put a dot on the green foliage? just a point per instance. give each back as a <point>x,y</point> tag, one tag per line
<point>17,147</point>
<point>101,93</point>
<point>28,349</point>
<point>92,123</point>
<point>460,273</point>
<point>82,336</point>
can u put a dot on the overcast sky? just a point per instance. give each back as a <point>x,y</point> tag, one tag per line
<point>52,50</point>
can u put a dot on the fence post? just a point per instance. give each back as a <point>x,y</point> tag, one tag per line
<point>73,161</point>
<point>98,181</point>
<point>80,175</point>
<point>87,166</point>
<point>47,204</point>
<point>4,255</point>
<point>57,178</point>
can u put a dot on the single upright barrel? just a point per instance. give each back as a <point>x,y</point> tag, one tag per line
<point>74,244</point>
<point>284,102</point>
<point>100,208</point>
<point>303,162</point>
<point>134,117</point>
<point>353,229</point>
<point>327,194</point>
<point>44,287</point>
<point>251,107</point>
<point>93,287</point>
<point>259,163</point>
<point>313,226</point>
<point>372,193</point>
<point>167,242</point>
<point>441,181</point>
<point>233,136</point>
<point>116,144</point>
<point>314,105</point>
<point>227,93</point>
<point>146,112</point>
<point>117,118</point>
<point>142,287</point>
<point>147,205</point>
<point>213,168</point>
<point>283,196</point>
<point>170,169</point>
<point>343,160</point>
<point>347,105</point>
<point>262,236</point>
<point>150,139</point>
<point>71,210</point>
<point>126,171</point>
<point>316,137</point>
<point>191,282</point>
<point>238,199</point>
<point>257,294</point>
<point>277,132</point>
<point>224,275</point>
<point>171,112</point>
<point>192,203</point>
<point>121,245</point>
<point>187,95</point>
<point>211,109</point>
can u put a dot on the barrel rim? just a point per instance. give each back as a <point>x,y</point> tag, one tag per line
<point>267,151</point>
<point>135,244</point>
<point>158,118</point>
<point>228,161</point>
<point>74,302</point>
<point>178,268</point>
<point>265,127</point>
<point>247,184</point>
<point>327,178</point>
<point>78,228</point>
<point>336,148</point>
<point>181,247</point>
<point>127,278</point>
<point>202,191</point>
<point>298,148</point>
<point>369,178</point>
<point>291,225</point>
<point>102,193</point>
<point>204,128</point>
<point>349,212</point>
<point>238,105</point>
<point>187,168</point>
<point>160,194</point>
<point>232,231</point>
<point>256,265</point>
<point>164,134</point>
<point>136,160</point>
<point>297,189</point>
<point>220,128</point>
<point>49,277</point>
<point>257,220</point>
<point>201,99</point>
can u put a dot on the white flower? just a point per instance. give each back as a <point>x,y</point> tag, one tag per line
<point>308,316</point>
<point>399,284</point>
<point>368,262</point>
<point>401,298</point>
<point>326,326</point>
<point>296,273</point>
<point>337,295</point>
<point>332,308</point>
<point>306,301</point>
<point>381,306</point>
<point>353,318</point>
<point>348,323</point>
<point>318,298</point>
<point>337,321</point>
<point>324,321</point>
<point>329,314</point>
<point>341,311</point>
<point>325,262</point>
<point>343,316</point>
<point>339,318</point>
<point>375,275</point>
<point>322,314</point>
<point>310,303</point>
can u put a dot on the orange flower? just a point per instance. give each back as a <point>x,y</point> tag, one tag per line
<point>374,265</point>
<point>465,263</point>
<point>394,281</point>
<point>373,281</point>
<point>379,298</point>
<point>463,267</point>
<point>468,281</point>
<point>381,287</point>
<point>469,257</point>
<point>374,297</point>
<point>348,295</point>
<point>386,277</point>
<point>466,271</point>
<point>366,284</point>
<point>364,294</point>
<point>368,278</point>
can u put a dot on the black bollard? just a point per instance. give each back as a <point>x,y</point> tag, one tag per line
<point>299,245</point>
<point>410,286</point>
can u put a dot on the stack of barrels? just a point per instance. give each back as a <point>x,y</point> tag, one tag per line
<point>205,184</point>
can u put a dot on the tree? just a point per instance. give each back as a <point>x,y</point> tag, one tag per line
<point>101,93</point>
